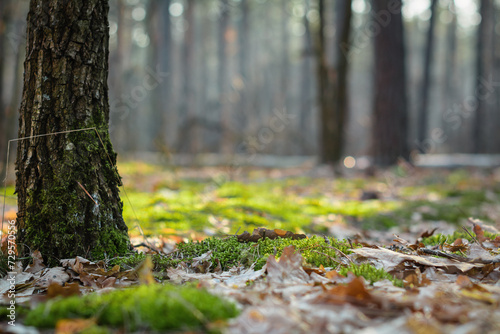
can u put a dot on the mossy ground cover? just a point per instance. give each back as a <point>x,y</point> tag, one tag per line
<point>176,204</point>
<point>169,203</point>
<point>228,252</point>
<point>143,308</point>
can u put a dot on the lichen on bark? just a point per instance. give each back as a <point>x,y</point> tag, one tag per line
<point>67,184</point>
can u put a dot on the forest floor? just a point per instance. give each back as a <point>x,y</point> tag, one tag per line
<point>283,251</point>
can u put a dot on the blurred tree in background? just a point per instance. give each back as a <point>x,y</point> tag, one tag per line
<point>390,110</point>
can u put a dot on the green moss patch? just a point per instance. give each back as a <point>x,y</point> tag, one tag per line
<point>153,307</point>
<point>440,239</point>
<point>370,273</point>
<point>229,252</point>
<point>298,204</point>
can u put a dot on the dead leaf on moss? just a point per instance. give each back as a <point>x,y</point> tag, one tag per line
<point>73,326</point>
<point>288,269</point>
<point>353,292</point>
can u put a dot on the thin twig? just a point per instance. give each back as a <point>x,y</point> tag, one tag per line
<point>87,193</point>
<point>338,250</point>
<point>443,254</point>
<point>473,237</point>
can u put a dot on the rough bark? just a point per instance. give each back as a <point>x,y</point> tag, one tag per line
<point>389,136</point>
<point>65,88</point>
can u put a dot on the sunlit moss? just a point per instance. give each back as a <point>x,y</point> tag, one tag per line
<point>10,198</point>
<point>229,252</point>
<point>370,273</point>
<point>143,308</point>
<point>441,239</point>
<point>295,204</point>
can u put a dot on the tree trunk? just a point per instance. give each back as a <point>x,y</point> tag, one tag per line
<point>342,68</point>
<point>306,70</point>
<point>67,184</point>
<point>223,79</point>
<point>423,115</point>
<point>325,87</point>
<point>332,84</point>
<point>389,136</point>
<point>120,109</point>
<point>192,139</point>
<point>483,69</point>
<point>161,38</point>
<point>244,65</point>
<point>451,123</point>
<point>496,74</point>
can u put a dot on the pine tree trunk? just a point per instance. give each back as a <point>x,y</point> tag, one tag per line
<point>483,69</point>
<point>333,83</point>
<point>65,88</point>
<point>423,115</point>
<point>389,137</point>
<point>224,142</point>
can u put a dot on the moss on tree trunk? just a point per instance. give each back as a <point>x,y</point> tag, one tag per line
<point>65,88</point>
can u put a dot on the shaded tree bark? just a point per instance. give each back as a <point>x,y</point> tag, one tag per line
<point>423,115</point>
<point>67,184</point>
<point>389,126</point>
<point>332,83</point>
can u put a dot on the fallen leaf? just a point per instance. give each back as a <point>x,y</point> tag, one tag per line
<point>288,270</point>
<point>479,232</point>
<point>53,275</point>
<point>37,264</point>
<point>428,233</point>
<point>391,259</point>
<point>145,271</point>
<point>415,278</point>
<point>73,326</point>
<point>353,292</point>
<point>55,290</point>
